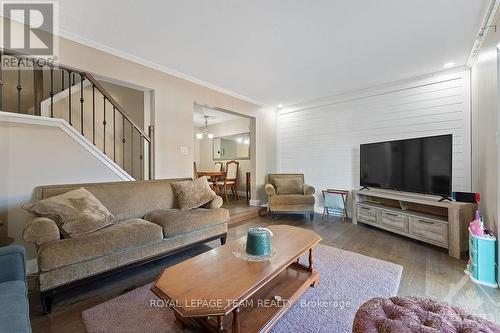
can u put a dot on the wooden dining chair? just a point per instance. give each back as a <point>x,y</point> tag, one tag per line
<point>230,180</point>
<point>195,171</point>
<point>218,166</point>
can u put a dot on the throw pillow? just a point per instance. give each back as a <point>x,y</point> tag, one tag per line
<point>76,212</point>
<point>193,193</point>
<point>289,186</point>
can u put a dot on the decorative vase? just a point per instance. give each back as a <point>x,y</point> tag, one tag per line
<point>259,241</point>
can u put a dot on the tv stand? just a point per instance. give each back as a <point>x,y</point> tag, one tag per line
<point>426,218</point>
<point>445,199</point>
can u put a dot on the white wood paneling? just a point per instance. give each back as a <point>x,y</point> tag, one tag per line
<point>322,138</point>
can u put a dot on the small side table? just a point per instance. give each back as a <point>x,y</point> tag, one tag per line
<point>331,192</point>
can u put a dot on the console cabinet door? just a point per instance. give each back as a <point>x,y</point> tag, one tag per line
<point>394,221</point>
<point>367,214</point>
<point>430,230</point>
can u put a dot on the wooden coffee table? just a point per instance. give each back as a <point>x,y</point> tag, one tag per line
<point>218,292</point>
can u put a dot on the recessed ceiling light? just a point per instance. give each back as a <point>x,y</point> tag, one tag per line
<point>280,105</point>
<point>449,64</point>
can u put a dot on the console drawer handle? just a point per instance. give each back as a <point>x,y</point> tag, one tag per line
<point>392,214</point>
<point>365,208</point>
<point>425,221</point>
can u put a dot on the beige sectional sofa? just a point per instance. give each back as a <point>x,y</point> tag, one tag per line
<point>148,226</point>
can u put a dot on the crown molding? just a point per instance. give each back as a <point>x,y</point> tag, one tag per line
<point>164,69</point>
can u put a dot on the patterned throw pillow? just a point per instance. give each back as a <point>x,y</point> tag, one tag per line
<point>76,212</point>
<point>193,193</point>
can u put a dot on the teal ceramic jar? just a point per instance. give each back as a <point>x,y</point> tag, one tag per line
<point>259,241</point>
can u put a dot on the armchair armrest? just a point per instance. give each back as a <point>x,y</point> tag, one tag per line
<point>215,203</point>
<point>309,190</point>
<point>12,263</point>
<point>40,230</point>
<point>270,190</point>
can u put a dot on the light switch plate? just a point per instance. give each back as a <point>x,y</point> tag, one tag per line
<point>184,150</point>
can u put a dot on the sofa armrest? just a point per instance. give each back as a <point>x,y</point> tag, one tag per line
<point>215,203</point>
<point>270,190</point>
<point>40,230</point>
<point>309,190</point>
<point>12,263</point>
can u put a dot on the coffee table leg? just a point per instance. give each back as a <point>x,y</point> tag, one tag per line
<point>236,320</point>
<point>220,323</point>
<point>311,260</point>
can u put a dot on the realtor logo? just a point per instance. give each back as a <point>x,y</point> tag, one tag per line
<point>29,27</point>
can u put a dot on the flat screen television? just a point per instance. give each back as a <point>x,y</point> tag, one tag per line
<point>421,165</point>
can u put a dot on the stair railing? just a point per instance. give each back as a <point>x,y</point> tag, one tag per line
<point>62,78</point>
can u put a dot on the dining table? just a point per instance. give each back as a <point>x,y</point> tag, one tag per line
<point>213,176</point>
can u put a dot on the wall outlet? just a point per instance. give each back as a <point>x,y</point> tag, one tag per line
<point>184,150</point>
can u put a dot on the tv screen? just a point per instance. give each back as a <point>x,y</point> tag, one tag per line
<point>421,165</point>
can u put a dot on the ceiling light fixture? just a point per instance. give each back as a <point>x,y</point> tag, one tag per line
<point>280,106</point>
<point>449,64</point>
<point>205,131</point>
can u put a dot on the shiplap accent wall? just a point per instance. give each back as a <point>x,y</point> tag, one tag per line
<point>321,139</point>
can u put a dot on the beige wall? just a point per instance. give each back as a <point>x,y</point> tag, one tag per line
<point>203,148</point>
<point>484,86</point>
<point>173,111</point>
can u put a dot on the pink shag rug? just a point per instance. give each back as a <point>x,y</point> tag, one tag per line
<point>347,280</point>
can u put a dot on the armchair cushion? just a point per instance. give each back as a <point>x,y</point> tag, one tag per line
<point>288,185</point>
<point>291,199</point>
<point>40,230</point>
<point>12,263</point>
<point>193,193</point>
<point>76,212</point>
<point>309,190</point>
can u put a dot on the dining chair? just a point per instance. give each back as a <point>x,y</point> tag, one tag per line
<point>195,171</point>
<point>230,180</point>
<point>218,166</point>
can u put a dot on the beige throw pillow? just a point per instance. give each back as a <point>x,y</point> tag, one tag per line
<point>193,193</point>
<point>289,186</point>
<point>75,212</point>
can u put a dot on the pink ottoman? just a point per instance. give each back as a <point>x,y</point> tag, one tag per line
<point>415,314</point>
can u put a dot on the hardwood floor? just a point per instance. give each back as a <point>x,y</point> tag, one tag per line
<point>427,271</point>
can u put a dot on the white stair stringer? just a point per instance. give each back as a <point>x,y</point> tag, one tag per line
<point>72,133</point>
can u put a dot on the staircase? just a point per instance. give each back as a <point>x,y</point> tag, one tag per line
<point>41,90</point>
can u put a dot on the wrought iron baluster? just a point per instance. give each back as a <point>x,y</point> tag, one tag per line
<point>104,123</point>
<point>69,97</point>
<point>141,143</point>
<point>81,103</point>
<point>93,114</point>
<point>73,76</point>
<point>19,87</point>
<point>51,94</point>
<point>62,79</point>
<point>123,141</point>
<point>132,145</point>
<point>114,134</point>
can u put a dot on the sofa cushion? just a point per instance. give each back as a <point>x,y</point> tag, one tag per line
<point>76,212</point>
<point>176,222</point>
<point>292,199</point>
<point>13,297</point>
<point>289,185</point>
<point>117,237</point>
<point>193,193</point>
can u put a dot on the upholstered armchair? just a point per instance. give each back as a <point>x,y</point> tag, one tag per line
<point>288,194</point>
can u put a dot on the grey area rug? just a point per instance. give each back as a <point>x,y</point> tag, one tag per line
<point>347,280</point>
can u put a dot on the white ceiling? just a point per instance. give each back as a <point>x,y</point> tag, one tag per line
<point>214,116</point>
<point>282,51</point>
